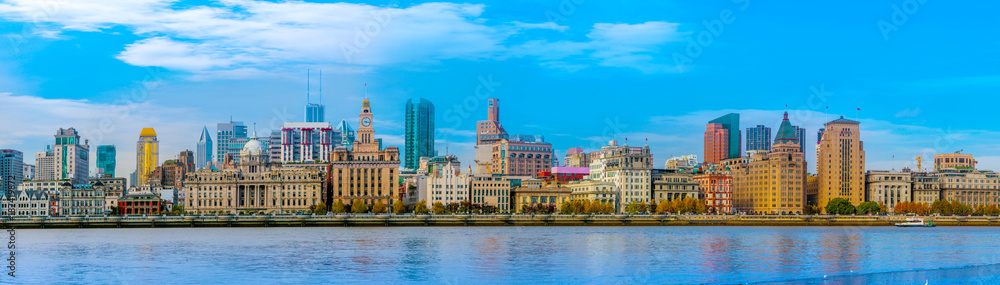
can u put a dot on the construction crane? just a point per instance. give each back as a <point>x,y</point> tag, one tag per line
<point>919,163</point>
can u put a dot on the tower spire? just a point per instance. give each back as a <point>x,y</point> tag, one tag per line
<point>308,101</point>
<point>321,86</point>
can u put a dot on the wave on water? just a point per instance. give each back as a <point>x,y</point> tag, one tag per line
<point>974,274</point>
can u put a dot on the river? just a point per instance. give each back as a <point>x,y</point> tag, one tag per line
<point>509,255</point>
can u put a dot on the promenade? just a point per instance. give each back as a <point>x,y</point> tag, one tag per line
<point>408,220</point>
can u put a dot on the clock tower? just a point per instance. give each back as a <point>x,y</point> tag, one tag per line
<point>366,132</point>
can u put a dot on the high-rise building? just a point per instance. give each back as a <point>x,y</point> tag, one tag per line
<point>347,135</point>
<point>106,161</point>
<point>759,138</point>
<point>186,160</point>
<point>72,159</point>
<point>801,134</point>
<point>772,182</point>
<point>731,122</point>
<point>419,132</point>
<point>520,158</point>
<point>29,171</point>
<point>147,155</point>
<point>11,169</point>
<point>45,164</point>
<point>368,173</point>
<point>716,144</point>
<point>445,181</point>
<point>841,165</point>
<point>307,142</point>
<point>230,139</point>
<point>203,153</point>
<point>315,113</point>
<point>488,132</point>
<point>629,169</point>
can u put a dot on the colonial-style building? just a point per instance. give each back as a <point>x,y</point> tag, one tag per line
<point>491,190</point>
<point>368,173</point>
<point>926,188</point>
<point>890,187</point>
<point>27,203</point>
<point>772,182</point>
<point>143,203</point>
<point>673,184</point>
<point>630,169</point>
<point>254,186</point>
<point>446,183</point>
<point>969,186</point>
<point>83,199</point>
<point>717,190</point>
<point>545,196</point>
<point>594,191</point>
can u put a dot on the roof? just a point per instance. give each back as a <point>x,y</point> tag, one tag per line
<point>843,121</point>
<point>786,133</point>
<point>147,132</point>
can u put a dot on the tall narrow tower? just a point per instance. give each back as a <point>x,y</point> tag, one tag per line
<point>419,132</point>
<point>315,113</point>
<point>147,152</point>
<point>841,162</point>
<point>204,149</point>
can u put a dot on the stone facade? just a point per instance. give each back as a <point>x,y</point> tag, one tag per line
<point>841,165</point>
<point>889,187</point>
<point>368,173</point>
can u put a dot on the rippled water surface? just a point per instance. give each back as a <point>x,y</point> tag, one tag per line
<point>598,255</point>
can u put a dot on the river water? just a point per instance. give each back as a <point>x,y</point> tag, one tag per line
<point>509,255</point>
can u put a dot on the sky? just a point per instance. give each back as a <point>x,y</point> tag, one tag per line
<point>924,74</point>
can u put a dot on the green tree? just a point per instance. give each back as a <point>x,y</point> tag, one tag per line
<point>439,208</point>
<point>420,208</point>
<point>399,207</point>
<point>320,209</point>
<point>359,207</point>
<point>840,206</point>
<point>868,208</point>
<point>632,208</point>
<point>379,207</point>
<point>338,207</point>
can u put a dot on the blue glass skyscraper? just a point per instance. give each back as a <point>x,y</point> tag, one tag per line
<point>106,156</point>
<point>419,132</point>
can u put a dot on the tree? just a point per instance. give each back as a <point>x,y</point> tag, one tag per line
<point>439,208</point>
<point>399,207</point>
<point>643,207</point>
<point>632,208</point>
<point>359,207</point>
<point>840,206</point>
<point>420,208</point>
<point>115,211</point>
<point>338,207</point>
<point>868,208</point>
<point>320,209</point>
<point>379,207</point>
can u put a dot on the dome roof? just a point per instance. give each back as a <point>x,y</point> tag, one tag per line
<point>253,147</point>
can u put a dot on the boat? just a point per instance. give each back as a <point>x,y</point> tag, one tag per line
<point>915,223</point>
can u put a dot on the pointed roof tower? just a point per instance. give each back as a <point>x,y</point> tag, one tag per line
<point>786,133</point>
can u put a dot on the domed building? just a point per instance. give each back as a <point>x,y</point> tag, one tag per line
<point>254,186</point>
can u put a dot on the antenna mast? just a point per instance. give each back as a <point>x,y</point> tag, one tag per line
<point>307,87</point>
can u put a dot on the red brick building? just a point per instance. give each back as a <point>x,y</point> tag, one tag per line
<point>140,204</point>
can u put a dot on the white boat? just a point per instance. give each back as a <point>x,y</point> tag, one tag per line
<point>915,223</point>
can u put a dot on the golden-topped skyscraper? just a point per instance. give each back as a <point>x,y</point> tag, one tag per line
<point>147,155</point>
<point>841,165</point>
<point>368,173</point>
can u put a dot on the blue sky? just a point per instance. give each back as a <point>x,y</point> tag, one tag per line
<point>924,73</point>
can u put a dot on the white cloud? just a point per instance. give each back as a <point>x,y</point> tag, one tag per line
<point>268,37</point>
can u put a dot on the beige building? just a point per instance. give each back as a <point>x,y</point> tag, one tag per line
<point>889,187</point>
<point>491,190</point>
<point>926,188</point>
<point>954,161</point>
<point>594,191</point>
<point>546,196</point>
<point>368,173</point>
<point>520,158</point>
<point>445,182</point>
<point>971,187</point>
<point>772,182</point>
<point>254,186</point>
<point>841,165</point>
<point>629,169</point>
<point>673,185</point>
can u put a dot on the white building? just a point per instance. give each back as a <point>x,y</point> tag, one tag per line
<point>45,165</point>
<point>445,182</point>
<point>629,169</point>
<point>28,203</point>
<point>308,142</point>
<point>686,162</point>
<point>72,159</point>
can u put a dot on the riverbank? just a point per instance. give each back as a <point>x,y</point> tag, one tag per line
<point>475,220</point>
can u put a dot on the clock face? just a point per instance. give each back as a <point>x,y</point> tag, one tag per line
<point>366,121</point>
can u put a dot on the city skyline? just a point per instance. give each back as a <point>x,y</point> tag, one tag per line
<point>545,66</point>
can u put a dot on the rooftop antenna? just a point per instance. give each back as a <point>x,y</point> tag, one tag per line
<point>366,90</point>
<point>307,87</point>
<point>255,129</point>
<point>321,86</point>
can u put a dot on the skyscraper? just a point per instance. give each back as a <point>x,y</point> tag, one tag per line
<point>347,135</point>
<point>488,132</point>
<point>759,138</point>
<point>419,132</point>
<point>204,150</point>
<point>186,160</point>
<point>106,155</point>
<point>72,159</point>
<point>800,133</point>
<point>841,165</point>
<point>315,113</point>
<point>11,169</point>
<point>45,164</point>
<point>147,155</point>
<point>784,191</point>
<point>716,144</point>
<point>231,137</point>
<point>306,142</point>
<point>731,122</point>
